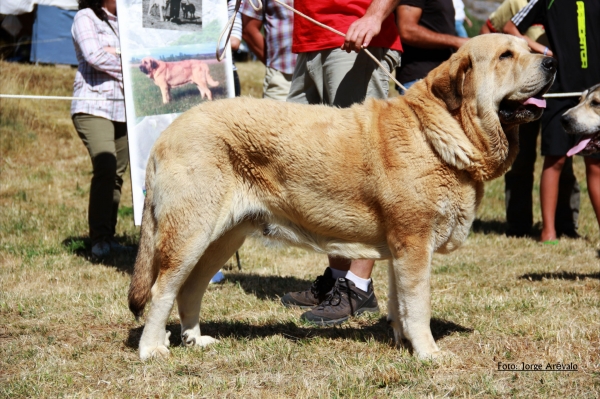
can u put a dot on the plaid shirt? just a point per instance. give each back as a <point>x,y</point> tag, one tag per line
<point>278,23</point>
<point>99,73</point>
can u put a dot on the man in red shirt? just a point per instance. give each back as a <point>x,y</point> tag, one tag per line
<point>331,69</point>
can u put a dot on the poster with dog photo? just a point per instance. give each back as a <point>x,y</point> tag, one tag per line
<point>169,66</point>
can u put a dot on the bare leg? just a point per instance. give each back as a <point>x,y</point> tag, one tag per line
<point>549,195</point>
<point>592,172</point>
<point>360,267</point>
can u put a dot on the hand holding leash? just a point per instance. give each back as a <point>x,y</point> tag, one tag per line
<point>363,31</point>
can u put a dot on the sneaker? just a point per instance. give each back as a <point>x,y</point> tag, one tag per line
<point>313,296</point>
<point>101,249</point>
<point>343,301</point>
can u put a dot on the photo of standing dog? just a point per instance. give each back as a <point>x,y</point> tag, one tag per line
<point>167,75</point>
<point>189,10</point>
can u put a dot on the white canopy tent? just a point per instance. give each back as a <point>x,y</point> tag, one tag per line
<point>17,7</point>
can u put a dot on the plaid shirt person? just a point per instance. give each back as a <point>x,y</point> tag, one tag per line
<point>99,73</point>
<point>278,23</point>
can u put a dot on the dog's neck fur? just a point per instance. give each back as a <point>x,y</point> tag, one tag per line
<point>454,137</point>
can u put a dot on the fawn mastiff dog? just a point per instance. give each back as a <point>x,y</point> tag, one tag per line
<point>584,119</point>
<point>167,75</point>
<point>394,179</point>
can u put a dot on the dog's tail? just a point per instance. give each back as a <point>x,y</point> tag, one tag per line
<point>146,266</point>
<point>211,82</point>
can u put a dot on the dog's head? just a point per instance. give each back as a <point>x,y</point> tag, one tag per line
<point>584,119</point>
<point>490,85</point>
<point>497,73</point>
<point>148,66</point>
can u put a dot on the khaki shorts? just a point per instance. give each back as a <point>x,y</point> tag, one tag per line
<point>277,84</point>
<point>336,77</point>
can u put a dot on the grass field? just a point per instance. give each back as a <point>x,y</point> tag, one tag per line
<point>65,330</point>
<point>148,98</point>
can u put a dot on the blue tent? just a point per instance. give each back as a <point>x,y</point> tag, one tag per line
<point>52,42</point>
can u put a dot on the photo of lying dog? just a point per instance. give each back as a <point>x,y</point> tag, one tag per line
<point>408,174</point>
<point>584,119</point>
<point>167,75</point>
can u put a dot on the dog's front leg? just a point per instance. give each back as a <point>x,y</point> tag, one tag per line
<point>166,94</point>
<point>410,297</point>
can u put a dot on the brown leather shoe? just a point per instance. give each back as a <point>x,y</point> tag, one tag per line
<point>343,301</point>
<point>313,296</point>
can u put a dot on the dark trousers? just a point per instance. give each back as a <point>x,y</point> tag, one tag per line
<point>236,84</point>
<point>519,187</point>
<point>174,8</point>
<point>106,142</point>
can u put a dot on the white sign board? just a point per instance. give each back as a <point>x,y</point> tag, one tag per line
<point>160,35</point>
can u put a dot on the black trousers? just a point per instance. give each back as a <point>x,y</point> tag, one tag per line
<point>174,8</point>
<point>519,186</point>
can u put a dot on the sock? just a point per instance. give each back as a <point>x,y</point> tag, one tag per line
<point>335,273</point>
<point>361,283</point>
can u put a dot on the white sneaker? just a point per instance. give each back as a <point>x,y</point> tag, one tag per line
<point>101,249</point>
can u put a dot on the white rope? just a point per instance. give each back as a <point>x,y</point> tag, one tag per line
<point>562,95</point>
<point>337,32</point>
<point>23,96</point>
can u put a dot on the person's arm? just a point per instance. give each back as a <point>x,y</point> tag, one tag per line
<point>363,30</point>
<point>511,29</point>
<point>413,34</point>
<point>484,29</point>
<point>254,39</point>
<point>101,58</point>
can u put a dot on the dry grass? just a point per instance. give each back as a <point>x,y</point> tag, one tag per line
<point>65,330</point>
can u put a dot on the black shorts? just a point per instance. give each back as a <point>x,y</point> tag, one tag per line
<point>555,140</point>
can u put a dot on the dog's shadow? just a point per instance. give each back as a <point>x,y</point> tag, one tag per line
<point>123,262</point>
<point>559,276</point>
<point>379,331</point>
<point>270,287</point>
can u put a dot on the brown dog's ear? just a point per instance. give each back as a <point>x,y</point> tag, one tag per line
<point>448,83</point>
<point>154,64</point>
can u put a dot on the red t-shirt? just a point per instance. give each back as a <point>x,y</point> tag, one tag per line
<point>339,15</point>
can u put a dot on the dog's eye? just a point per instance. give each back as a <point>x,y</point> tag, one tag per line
<point>506,54</point>
<point>595,103</point>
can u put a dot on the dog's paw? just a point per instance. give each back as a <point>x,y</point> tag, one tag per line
<point>156,352</point>
<point>436,356</point>
<point>167,342</point>
<point>192,337</point>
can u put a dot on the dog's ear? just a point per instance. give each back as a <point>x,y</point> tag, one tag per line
<point>448,83</point>
<point>154,64</point>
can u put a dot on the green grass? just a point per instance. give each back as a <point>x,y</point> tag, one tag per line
<point>65,330</point>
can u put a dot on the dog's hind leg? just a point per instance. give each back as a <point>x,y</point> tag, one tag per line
<point>184,233</point>
<point>189,299</point>
<point>178,256</point>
